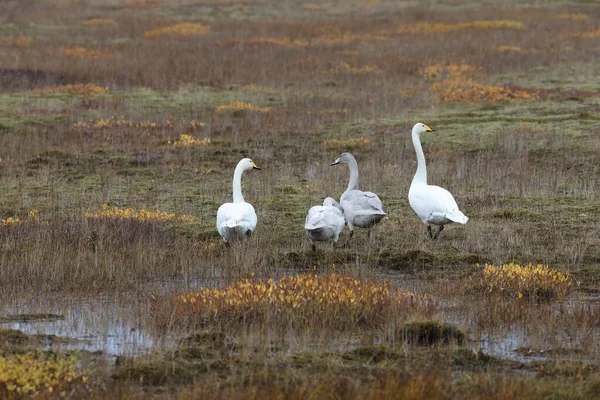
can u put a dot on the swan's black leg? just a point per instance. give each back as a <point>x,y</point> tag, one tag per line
<point>248,233</point>
<point>429,231</point>
<point>227,245</point>
<point>314,247</point>
<point>440,229</point>
<point>347,243</point>
<point>369,234</point>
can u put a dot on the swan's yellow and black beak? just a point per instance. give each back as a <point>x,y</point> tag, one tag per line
<point>428,129</point>
<point>336,162</point>
<point>254,166</point>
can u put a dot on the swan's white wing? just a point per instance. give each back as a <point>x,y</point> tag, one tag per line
<point>324,216</point>
<point>236,214</point>
<point>433,202</point>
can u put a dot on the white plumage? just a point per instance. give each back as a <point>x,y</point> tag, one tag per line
<point>324,222</point>
<point>237,220</point>
<point>433,204</point>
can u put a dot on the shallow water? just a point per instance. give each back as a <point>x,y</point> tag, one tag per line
<point>122,325</point>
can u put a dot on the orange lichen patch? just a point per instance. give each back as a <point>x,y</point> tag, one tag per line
<point>331,299</point>
<point>241,106</point>
<point>84,52</point>
<point>574,17</point>
<point>440,27</point>
<point>463,89</point>
<point>348,143</point>
<point>348,69</point>
<point>105,212</point>
<point>80,88</point>
<point>143,4</point>
<point>15,41</point>
<point>183,29</point>
<point>437,70</point>
<point>99,22</point>
<point>189,141</point>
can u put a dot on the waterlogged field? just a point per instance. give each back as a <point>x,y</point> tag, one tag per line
<point>121,123</point>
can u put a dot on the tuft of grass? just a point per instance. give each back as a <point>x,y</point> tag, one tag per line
<point>517,281</point>
<point>430,333</point>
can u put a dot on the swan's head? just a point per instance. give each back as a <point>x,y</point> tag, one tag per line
<point>421,128</point>
<point>247,164</point>
<point>344,158</point>
<point>329,201</point>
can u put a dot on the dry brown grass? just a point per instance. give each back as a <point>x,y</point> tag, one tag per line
<point>512,93</point>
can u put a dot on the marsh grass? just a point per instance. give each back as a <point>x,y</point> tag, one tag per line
<point>93,112</point>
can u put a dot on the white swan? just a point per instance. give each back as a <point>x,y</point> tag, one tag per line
<point>433,204</point>
<point>324,222</point>
<point>237,220</point>
<point>362,209</point>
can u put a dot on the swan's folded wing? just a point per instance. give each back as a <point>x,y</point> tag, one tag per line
<point>315,217</point>
<point>374,201</point>
<point>434,200</point>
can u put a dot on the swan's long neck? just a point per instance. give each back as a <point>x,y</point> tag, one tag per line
<point>353,183</point>
<point>421,174</point>
<point>237,184</point>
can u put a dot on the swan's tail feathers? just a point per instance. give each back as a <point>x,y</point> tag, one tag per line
<point>459,217</point>
<point>230,223</point>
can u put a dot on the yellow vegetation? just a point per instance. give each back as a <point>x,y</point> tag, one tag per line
<point>437,70</point>
<point>113,122</point>
<point>85,89</point>
<point>188,141</point>
<point>18,41</point>
<point>31,375</point>
<point>32,216</point>
<point>241,106</point>
<point>84,52</point>
<point>114,213</point>
<point>183,29</point>
<point>346,68</point>
<point>440,27</point>
<point>522,281</point>
<point>99,21</point>
<point>327,299</point>
<point>574,17</point>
